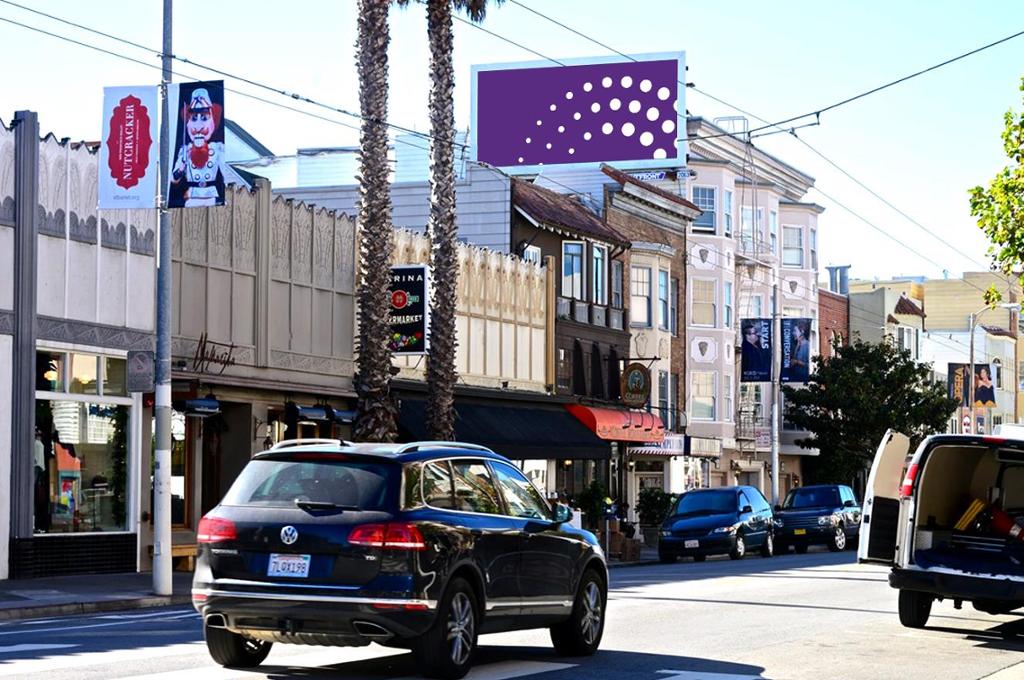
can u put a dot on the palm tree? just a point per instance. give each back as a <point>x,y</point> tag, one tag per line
<point>375,407</point>
<point>441,373</point>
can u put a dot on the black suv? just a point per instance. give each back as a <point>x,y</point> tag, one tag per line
<point>825,514</point>
<point>422,546</point>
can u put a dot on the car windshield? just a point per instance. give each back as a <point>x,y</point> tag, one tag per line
<point>326,482</point>
<point>706,503</point>
<point>810,497</point>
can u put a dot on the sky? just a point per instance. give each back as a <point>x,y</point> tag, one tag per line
<point>920,145</point>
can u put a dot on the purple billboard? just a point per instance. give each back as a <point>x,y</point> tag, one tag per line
<point>614,111</point>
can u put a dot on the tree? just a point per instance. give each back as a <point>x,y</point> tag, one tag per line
<point>1000,208</point>
<point>376,410</point>
<point>852,398</point>
<point>441,228</point>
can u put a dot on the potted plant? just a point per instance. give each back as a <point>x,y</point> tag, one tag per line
<point>591,501</point>
<point>653,506</point>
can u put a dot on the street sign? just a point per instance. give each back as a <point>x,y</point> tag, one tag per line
<point>140,370</point>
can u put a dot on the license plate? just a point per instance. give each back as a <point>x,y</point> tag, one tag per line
<point>799,532</point>
<point>293,566</point>
<point>691,544</point>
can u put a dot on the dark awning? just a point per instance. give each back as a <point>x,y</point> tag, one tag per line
<point>527,431</point>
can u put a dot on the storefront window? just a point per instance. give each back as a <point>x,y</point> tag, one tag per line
<point>84,374</point>
<point>50,371</point>
<point>115,376</point>
<point>81,464</point>
<point>179,470</point>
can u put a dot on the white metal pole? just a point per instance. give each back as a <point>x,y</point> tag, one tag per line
<point>970,379</point>
<point>162,581</point>
<point>776,392</point>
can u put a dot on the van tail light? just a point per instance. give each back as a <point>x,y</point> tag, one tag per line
<point>907,488</point>
<point>216,529</point>
<point>390,536</point>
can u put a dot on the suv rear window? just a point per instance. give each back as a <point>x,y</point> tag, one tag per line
<point>280,482</point>
<point>812,497</point>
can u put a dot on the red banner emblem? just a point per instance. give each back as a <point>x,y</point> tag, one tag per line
<point>129,142</point>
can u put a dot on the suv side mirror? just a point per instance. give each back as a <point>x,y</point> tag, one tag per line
<point>745,509</point>
<point>562,513</point>
<point>850,504</point>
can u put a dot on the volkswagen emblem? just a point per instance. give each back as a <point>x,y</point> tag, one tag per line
<point>289,535</point>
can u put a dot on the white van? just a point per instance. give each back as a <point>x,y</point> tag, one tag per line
<point>940,528</point>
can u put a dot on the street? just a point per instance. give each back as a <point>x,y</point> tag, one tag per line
<point>810,616</point>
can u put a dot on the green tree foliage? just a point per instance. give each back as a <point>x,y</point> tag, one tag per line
<point>853,397</point>
<point>999,209</point>
<point>653,506</point>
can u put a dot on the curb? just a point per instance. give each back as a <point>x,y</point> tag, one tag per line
<point>638,563</point>
<point>72,608</point>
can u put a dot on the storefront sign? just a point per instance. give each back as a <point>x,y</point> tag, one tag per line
<point>209,353</point>
<point>198,165</point>
<point>410,315</point>
<point>636,385</point>
<point>140,371</point>
<point>128,152</point>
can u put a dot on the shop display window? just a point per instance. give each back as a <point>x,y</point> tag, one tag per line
<point>84,374</point>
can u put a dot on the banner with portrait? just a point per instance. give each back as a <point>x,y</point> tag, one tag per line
<point>756,350</point>
<point>198,164</point>
<point>796,350</point>
<point>957,377</point>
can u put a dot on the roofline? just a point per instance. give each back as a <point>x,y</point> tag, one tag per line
<point>246,137</point>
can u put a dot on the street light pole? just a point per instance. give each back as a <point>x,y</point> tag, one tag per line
<point>970,374</point>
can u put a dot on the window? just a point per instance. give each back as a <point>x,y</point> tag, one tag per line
<point>751,231</point>
<point>532,254</point>
<point>702,387</point>
<point>617,284</point>
<point>663,400</point>
<point>438,490</point>
<point>474,488</point>
<point>814,249</point>
<point>599,266</point>
<point>727,305</point>
<point>793,312</point>
<point>271,483</point>
<point>727,212</point>
<point>640,297</point>
<point>997,374</point>
<point>564,376</point>
<point>702,309</point>
<point>756,309</point>
<point>664,322</point>
<point>704,198</point>
<point>773,231</point>
<point>521,497</point>
<point>727,391</point>
<point>752,397</point>
<point>674,401</point>
<point>572,270</point>
<point>674,307</point>
<point>792,246</point>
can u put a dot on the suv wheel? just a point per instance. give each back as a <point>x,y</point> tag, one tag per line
<point>915,607</point>
<point>580,634</point>
<point>740,550</point>
<point>233,650</point>
<point>446,650</point>
<point>838,541</point>
<point>768,547</point>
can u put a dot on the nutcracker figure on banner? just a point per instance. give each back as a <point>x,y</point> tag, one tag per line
<point>199,165</point>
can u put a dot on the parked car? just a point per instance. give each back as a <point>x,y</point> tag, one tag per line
<point>826,514</point>
<point>726,520</point>
<point>422,546</point>
<point>952,528</point>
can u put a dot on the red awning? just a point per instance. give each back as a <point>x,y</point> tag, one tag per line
<point>620,425</point>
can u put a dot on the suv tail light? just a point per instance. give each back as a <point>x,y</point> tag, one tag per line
<point>907,488</point>
<point>215,529</point>
<point>390,536</point>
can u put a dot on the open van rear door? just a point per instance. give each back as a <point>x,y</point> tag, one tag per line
<point>880,527</point>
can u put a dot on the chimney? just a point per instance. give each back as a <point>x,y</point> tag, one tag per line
<point>839,278</point>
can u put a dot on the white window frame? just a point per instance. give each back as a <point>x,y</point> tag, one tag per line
<point>773,231</point>
<point>673,303</point>
<point>757,225</point>
<point>727,208</point>
<point>727,292</point>
<point>812,244</point>
<point>713,397</point>
<point>532,254</point>
<point>601,299</point>
<point>757,310</point>
<point>714,302</point>
<point>800,230</point>
<point>713,210</point>
<point>665,304</point>
<point>649,304</point>
<point>727,396</point>
<point>567,291</point>
<point>617,277</point>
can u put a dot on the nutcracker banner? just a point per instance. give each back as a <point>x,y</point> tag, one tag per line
<point>198,166</point>
<point>129,150</point>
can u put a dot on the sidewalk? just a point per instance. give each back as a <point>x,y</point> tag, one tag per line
<point>84,594</point>
<point>648,555</point>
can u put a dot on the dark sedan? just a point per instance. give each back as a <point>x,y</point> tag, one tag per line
<point>727,520</point>
<point>826,514</point>
<point>423,546</point>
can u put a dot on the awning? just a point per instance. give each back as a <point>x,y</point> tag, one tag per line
<point>681,445</point>
<point>620,425</point>
<point>523,431</point>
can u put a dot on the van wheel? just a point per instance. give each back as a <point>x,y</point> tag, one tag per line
<point>580,634</point>
<point>233,650</point>
<point>740,551</point>
<point>446,650</point>
<point>838,541</point>
<point>768,547</point>
<point>915,607</point>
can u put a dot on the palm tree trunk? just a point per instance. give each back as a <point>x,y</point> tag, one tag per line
<point>441,374</point>
<point>376,411</point>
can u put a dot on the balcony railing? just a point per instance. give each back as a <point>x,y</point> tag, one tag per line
<point>584,312</point>
<point>751,248</point>
<point>749,422</point>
